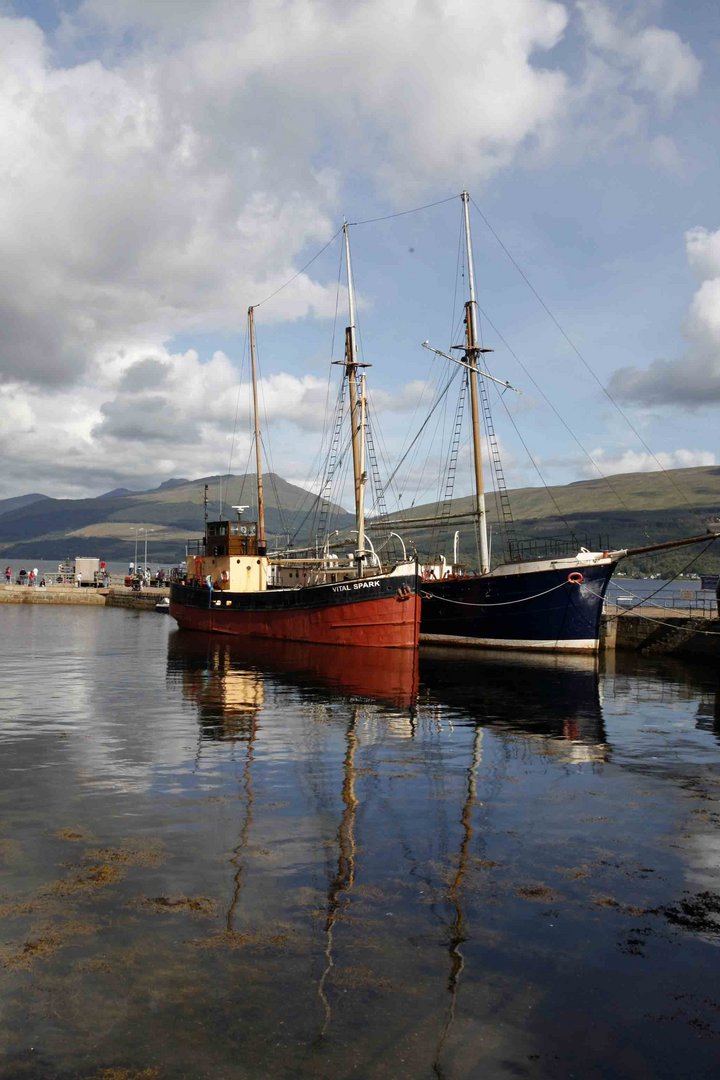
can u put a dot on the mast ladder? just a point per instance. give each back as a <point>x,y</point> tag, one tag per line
<point>333,461</point>
<point>443,520</point>
<point>379,505</point>
<point>501,491</point>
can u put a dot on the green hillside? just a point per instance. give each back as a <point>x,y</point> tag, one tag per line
<point>110,525</point>
<point>628,510</point>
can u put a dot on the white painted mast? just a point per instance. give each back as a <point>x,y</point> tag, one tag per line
<point>473,350</point>
<point>256,418</point>
<point>357,412</point>
<point>361,487</point>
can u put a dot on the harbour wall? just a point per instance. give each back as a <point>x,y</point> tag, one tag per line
<point>647,630</point>
<point>653,631</point>
<point>87,596</point>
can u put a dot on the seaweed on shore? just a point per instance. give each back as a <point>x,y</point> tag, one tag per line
<point>699,913</point>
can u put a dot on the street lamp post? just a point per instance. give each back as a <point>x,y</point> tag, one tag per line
<point>146,531</point>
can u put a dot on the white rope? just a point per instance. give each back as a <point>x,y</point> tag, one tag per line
<point>500,603</point>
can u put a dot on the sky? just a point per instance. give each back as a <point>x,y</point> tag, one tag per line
<point>167,163</point>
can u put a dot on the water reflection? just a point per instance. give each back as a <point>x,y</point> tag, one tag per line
<point>226,677</point>
<point>553,698</point>
<point>330,864</point>
<point>553,702</point>
<point>228,693</point>
<point>673,680</point>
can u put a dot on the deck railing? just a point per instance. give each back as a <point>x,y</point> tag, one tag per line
<point>678,600</point>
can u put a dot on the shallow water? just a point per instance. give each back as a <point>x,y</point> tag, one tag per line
<point>288,863</point>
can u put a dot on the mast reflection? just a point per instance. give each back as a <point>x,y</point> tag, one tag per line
<point>344,878</point>
<point>455,897</point>
<point>553,701</point>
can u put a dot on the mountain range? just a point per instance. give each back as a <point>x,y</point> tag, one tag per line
<point>627,510</point>
<point>114,526</point>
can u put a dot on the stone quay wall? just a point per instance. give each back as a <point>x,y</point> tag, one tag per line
<point>646,630</point>
<point>652,630</point>
<point>87,596</point>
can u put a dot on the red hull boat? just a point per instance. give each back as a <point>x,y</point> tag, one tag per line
<point>382,612</point>
<point>233,587</point>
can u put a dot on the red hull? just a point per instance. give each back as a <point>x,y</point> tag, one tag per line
<point>388,622</point>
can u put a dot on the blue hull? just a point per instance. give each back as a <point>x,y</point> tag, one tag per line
<point>548,608</point>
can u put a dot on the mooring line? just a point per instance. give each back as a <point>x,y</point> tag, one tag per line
<point>499,603</point>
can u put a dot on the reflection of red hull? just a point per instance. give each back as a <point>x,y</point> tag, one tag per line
<point>382,675</point>
<point>387,617</point>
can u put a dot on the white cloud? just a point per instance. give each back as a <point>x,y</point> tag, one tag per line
<point>632,77</point>
<point>161,192</point>
<point>150,191</point>
<point>180,410</point>
<point>691,381</point>
<point>630,461</point>
<point>703,252</point>
<point>651,59</point>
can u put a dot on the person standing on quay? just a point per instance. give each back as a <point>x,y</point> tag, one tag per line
<point>78,580</point>
<point>8,575</point>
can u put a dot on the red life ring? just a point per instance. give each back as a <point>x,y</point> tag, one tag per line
<point>576,578</point>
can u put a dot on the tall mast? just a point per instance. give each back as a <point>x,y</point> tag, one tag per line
<point>361,487</point>
<point>357,412</point>
<point>256,418</point>
<point>472,349</point>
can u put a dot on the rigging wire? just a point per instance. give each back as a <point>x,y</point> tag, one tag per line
<point>579,355</point>
<point>426,421</point>
<point>561,418</point>
<point>489,322</point>
<point>322,477</point>
<point>301,270</point>
<point>404,213</point>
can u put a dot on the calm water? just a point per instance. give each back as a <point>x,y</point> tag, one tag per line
<point>298,863</point>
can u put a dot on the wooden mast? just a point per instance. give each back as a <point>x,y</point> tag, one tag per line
<point>256,417</point>
<point>472,350</point>
<point>361,487</point>
<point>357,413</point>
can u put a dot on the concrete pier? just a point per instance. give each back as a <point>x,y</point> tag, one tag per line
<point>659,631</point>
<point>648,630</point>
<point>87,596</point>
